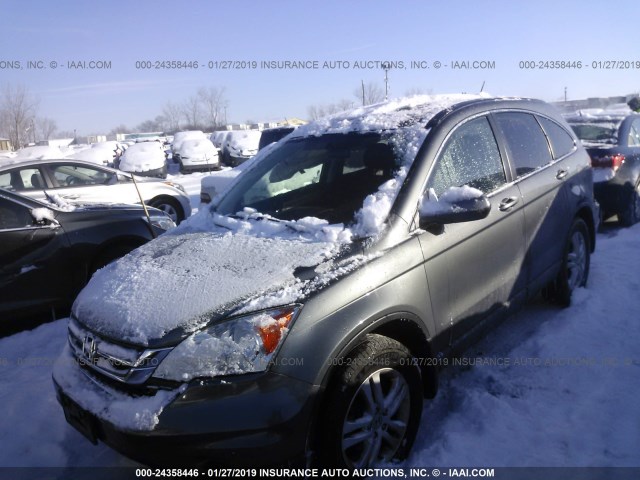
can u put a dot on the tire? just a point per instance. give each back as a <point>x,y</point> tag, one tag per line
<point>574,271</point>
<point>631,215</point>
<point>359,427</point>
<point>170,206</point>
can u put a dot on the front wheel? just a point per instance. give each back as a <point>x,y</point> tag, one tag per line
<point>169,206</point>
<point>575,263</point>
<point>373,407</point>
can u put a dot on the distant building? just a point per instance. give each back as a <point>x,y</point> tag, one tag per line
<point>5,144</point>
<point>59,142</point>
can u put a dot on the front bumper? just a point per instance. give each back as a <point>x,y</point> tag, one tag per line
<point>254,419</point>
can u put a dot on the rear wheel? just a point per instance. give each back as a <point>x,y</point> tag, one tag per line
<point>575,263</point>
<point>631,215</point>
<point>373,407</point>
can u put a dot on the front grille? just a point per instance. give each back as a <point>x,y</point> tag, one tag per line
<point>127,365</point>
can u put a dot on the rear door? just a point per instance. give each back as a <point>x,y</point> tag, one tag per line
<point>542,176</point>
<point>473,268</point>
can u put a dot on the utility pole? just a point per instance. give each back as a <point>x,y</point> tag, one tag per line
<point>565,94</point>
<point>386,66</point>
<point>362,81</point>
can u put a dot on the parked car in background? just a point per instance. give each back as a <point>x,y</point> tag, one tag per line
<point>217,138</point>
<point>84,182</point>
<point>318,297</point>
<point>47,254</point>
<point>198,154</point>
<point>40,152</point>
<point>180,137</point>
<point>144,158</point>
<point>612,140</point>
<point>270,135</point>
<point>101,153</point>
<point>239,146</point>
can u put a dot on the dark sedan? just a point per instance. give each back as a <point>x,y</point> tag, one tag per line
<point>612,141</point>
<point>48,254</point>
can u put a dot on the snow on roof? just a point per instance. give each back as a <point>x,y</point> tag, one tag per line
<point>386,115</point>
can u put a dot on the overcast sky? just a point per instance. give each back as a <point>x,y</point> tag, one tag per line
<point>121,33</point>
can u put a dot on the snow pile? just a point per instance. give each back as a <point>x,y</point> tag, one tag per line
<point>101,153</point>
<point>42,214</point>
<point>39,153</point>
<point>448,200</point>
<point>59,202</point>
<point>141,157</point>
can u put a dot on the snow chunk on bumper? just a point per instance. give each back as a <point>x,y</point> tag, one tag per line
<point>181,281</point>
<point>121,410</point>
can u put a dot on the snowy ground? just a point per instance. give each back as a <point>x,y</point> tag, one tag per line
<point>565,393</point>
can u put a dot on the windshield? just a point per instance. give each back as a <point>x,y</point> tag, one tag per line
<point>327,177</point>
<point>601,132</point>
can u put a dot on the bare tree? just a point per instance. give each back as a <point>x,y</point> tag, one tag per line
<point>17,114</point>
<point>45,127</point>
<point>418,91</point>
<point>119,129</point>
<point>318,111</point>
<point>192,112</point>
<point>213,104</point>
<point>369,93</point>
<point>172,114</point>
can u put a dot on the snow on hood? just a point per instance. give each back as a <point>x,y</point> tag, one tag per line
<point>183,281</point>
<point>197,147</point>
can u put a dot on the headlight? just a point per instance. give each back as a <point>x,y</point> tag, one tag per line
<point>240,345</point>
<point>176,185</point>
<point>161,221</point>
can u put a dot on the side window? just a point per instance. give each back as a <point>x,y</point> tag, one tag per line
<point>470,157</point>
<point>69,175</point>
<point>561,142</point>
<point>528,147</point>
<point>20,179</point>
<point>634,134</point>
<point>13,215</point>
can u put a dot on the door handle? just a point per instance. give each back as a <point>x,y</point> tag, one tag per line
<point>562,174</point>
<point>507,204</point>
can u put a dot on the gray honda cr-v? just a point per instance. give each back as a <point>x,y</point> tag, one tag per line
<point>305,314</point>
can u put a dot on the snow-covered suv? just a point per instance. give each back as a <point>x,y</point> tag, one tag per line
<point>313,302</point>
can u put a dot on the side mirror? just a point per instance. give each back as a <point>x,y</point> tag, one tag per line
<point>455,205</point>
<point>43,217</point>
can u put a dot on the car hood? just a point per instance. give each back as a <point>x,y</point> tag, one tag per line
<point>177,284</point>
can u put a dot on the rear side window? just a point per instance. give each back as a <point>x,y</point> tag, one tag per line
<point>634,134</point>
<point>561,142</point>
<point>470,157</point>
<point>528,147</point>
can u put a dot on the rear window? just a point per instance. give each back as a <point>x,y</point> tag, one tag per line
<point>597,132</point>
<point>527,144</point>
<point>561,142</point>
